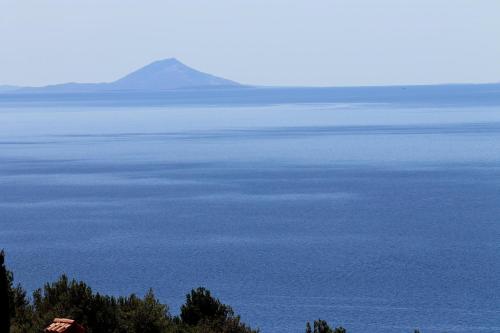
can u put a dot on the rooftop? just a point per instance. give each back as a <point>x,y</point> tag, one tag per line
<point>63,325</point>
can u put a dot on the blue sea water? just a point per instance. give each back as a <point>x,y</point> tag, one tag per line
<point>377,216</point>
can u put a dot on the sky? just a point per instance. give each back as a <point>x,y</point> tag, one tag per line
<point>260,42</point>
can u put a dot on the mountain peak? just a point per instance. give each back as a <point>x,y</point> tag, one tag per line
<point>166,74</point>
<point>170,60</point>
<point>167,62</point>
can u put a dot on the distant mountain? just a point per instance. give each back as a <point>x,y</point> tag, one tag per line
<point>167,74</point>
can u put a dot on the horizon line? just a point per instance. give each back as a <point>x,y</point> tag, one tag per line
<point>174,60</point>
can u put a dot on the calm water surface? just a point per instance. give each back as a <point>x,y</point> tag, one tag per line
<point>377,217</point>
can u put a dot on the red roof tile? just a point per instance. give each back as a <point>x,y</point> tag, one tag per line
<point>63,325</point>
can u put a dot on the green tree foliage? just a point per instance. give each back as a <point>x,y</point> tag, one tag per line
<point>21,310</point>
<point>201,306</point>
<point>145,315</point>
<point>321,326</point>
<point>66,299</point>
<point>5,309</point>
<point>19,307</point>
<point>201,313</point>
<point>204,313</point>
<point>99,313</point>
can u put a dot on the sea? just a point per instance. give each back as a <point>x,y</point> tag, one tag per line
<point>376,210</point>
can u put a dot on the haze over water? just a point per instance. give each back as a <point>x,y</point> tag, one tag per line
<point>378,217</point>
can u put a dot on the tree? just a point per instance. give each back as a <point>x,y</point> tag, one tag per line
<point>4,296</point>
<point>15,309</point>
<point>201,306</point>
<point>20,309</point>
<point>321,326</point>
<point>203,313</point>
<point>145,315</point>
<point>66,299</point>
<point>98,313</point>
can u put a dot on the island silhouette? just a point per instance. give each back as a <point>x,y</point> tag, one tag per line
<point>166,74</point>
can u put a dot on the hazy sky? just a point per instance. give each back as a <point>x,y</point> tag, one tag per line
<point>266,42</point>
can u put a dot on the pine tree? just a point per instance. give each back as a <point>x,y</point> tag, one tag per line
<point>321,326</point>
<point>4,297</point>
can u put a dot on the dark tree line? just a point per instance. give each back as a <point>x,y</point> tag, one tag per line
<point>4,296</point>
<point>201,313</point>
<point>321,326</point>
